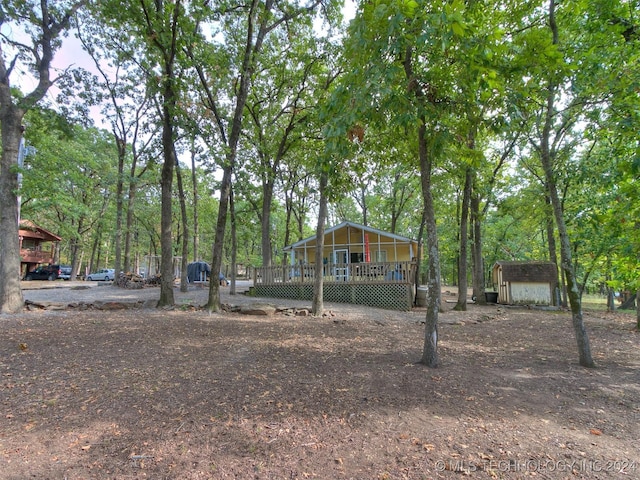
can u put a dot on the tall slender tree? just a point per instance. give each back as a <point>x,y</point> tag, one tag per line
<point>246,29</point>
<point>44,23</point>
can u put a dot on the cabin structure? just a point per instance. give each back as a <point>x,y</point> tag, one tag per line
<point>526,283</point>
<point>37,246</point>
<point>360,265</point>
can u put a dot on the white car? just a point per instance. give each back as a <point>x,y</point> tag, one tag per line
<point>105,274</point>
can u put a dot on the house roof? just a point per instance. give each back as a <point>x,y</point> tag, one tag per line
<point>532,271</point>
<point>342,225</point>
<point>30,230</point>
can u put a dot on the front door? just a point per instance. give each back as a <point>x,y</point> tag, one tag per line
<point>341,265</point>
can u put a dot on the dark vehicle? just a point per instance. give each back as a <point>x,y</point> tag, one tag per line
<point>44,272</point>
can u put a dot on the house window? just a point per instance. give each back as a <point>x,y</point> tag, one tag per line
<point>379,256</point>
<point>357,257</point>
<point>29,244</point>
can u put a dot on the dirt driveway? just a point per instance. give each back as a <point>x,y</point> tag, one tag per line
<point>183,394</point>
<point>81,291</point>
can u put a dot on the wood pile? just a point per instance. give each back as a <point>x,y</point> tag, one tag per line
<point>129,280</point>
<point>155,280</point>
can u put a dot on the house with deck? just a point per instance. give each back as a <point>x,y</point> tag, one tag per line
<point>360,265</point>
<point>37,246</point>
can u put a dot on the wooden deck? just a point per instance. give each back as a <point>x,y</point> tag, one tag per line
<point>385,285</point>
<point>387,272</point>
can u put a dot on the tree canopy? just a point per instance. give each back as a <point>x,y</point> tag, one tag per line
<point>511,127</point>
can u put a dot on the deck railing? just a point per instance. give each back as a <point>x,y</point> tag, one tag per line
<point>370,272</point>
<point>32,255</point>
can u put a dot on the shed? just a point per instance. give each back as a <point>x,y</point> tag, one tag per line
<point>526,283</point>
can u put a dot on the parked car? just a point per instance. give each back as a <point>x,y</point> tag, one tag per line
<point>65,272</point>
<point>105,274</point>
<point>44,272</point>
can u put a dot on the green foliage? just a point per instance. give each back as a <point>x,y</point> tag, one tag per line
<point>68,183</point>
<point>352,112</point>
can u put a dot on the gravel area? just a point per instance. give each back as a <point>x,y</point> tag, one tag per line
<point>197,295</point>
<point>79,291</point>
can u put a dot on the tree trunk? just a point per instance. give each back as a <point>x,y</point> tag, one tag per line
<point>584,349</point>
<point>461,305</point>
<point>267,200</point>
<point>184,282</point>
<point>246,73</point>
<point>196,226</point>
<point>11,300</point>
<point>318,282</point>
<point>129,227</point>
<point>166,240</point>
<point>553,251</point>
<point>234,242</point>
<point>430,348</point>
<point>423,222</point>
<point>611,304</point>
<point>122,152</point>
<point>638,309</point>
<point>213,303</point>
<point>46,28</point>
<point>74,249</point>
<point>476,252</point>
<point>365,211</point>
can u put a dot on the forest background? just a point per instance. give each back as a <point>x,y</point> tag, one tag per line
<point>231,130</point>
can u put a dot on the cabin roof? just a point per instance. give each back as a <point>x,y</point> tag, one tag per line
<point>29,229</point>
<point>357,226</point>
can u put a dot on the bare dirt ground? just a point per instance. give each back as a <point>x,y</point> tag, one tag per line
<point>183,394</point>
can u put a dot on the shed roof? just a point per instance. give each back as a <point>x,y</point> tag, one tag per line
<point>531,271</point>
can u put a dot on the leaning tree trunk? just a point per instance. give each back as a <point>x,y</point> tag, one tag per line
<point>430,348</point>
<point>575,302</point>
<point>417,279</point>
<point>553,252</point>
<point>213,303</point>
<point>584,349</point>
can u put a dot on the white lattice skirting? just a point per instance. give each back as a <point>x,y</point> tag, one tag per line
<point>382,295</point>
